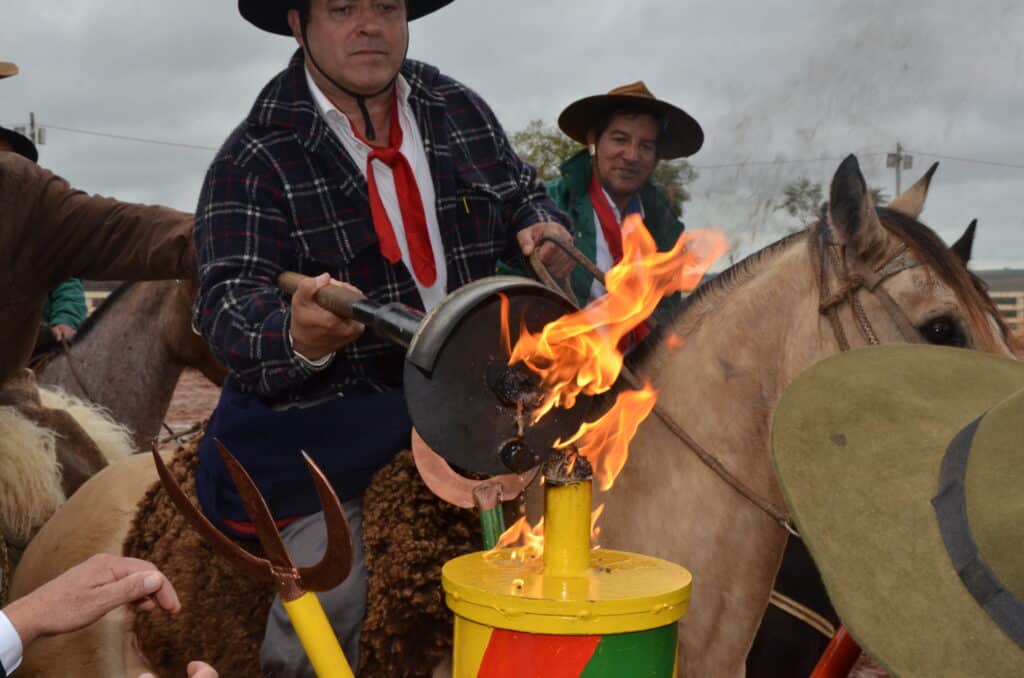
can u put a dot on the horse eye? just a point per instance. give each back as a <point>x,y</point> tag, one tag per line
<point>943,331</point>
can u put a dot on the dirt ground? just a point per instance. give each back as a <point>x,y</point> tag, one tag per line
<point>195,398</point>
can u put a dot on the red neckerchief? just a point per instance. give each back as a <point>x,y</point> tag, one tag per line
<point>606,216</point>
<point>410,202</point>
<point>613,236</point>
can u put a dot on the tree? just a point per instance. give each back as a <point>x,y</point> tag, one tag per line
<point>546,148</point>
<point>803,199</point>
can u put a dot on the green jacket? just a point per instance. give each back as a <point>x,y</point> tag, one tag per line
<point>65,304</point>
<point>571,194</point>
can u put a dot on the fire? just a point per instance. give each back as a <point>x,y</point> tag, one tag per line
<point>674,341</point>
<point>605,442</point>
<point>527,542</point>
<point>578,354</point>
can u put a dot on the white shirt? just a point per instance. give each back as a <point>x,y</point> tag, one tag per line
<point>603,256</point>
<point>10,645</point>
<point>412,149</point>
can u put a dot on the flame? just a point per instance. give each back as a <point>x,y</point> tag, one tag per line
<point>605,442</point>
<point>674,342</point>
<point>506,338</point>
<point>578,353</point>
<point>526,542</point>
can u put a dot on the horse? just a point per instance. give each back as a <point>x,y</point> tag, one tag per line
<point>747,334</point>
<point>128,356</point>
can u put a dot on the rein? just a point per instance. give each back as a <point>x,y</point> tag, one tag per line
<point>826,255</point>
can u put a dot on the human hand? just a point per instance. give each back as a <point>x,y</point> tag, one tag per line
<point>317,332</point>
<point>88,591</point>
<point>195,670</point>
<point>61,332</point>
<point>559,263</point>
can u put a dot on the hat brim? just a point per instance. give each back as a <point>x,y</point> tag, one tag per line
<point>682,137</point>
<point>273,16</point>
<point>857,443</point>
<point>7,69</point>
<point>23,146</point>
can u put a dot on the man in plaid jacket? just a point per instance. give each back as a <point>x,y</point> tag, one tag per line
<point>360,166</point>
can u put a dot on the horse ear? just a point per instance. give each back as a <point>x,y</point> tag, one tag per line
<point>911,201</point>
<point>853,214</point>
<point>962,247</point>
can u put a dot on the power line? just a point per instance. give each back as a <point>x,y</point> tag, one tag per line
<point>123,137</point>
<point>975,161</point>
<point>780,161</point>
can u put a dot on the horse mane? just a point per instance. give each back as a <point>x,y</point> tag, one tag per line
<point>104,308</point>
<point>921,240</point>
<point>715,288</point>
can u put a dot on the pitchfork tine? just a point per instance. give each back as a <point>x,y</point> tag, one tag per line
<point>250,565</point>
<point>336,564</point>
<point>256,508</point>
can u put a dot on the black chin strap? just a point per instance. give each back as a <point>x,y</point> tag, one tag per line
<point>371,132</point>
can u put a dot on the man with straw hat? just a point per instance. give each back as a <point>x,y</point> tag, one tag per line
<point>903,467</point>
<point>50,232</point>
<point>359,165</point>
<point>626,133</point>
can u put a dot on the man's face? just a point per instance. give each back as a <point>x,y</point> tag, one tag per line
<point>627,153</point>
<point>359,43</point>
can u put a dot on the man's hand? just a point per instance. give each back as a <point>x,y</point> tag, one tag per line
<point>61,332</point>
<point>195,670</point>
<point>86,592</point>
<point>317,332</point>
<point>558,262</point>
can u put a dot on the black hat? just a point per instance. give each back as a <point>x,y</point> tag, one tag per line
<point>272,15</point>
<point>22,145</point>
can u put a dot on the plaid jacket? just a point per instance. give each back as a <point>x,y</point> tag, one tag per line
<point>283,193</point>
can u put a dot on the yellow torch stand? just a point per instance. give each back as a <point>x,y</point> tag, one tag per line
<point>575,613</point>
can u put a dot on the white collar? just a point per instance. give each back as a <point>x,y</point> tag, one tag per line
<point>328,110</point>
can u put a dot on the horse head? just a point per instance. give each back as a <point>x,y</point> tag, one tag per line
<point>913,275</point>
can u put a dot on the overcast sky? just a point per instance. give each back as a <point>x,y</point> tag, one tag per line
<point>775,85</point>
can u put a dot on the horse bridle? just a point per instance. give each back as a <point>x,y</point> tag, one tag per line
<point>852,277</point>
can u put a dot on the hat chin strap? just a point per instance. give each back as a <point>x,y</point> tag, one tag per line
<point>371,132</point>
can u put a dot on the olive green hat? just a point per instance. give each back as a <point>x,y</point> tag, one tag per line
<point>903,467</point>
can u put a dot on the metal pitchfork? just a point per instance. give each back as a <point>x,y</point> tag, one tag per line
<point>296,585</point>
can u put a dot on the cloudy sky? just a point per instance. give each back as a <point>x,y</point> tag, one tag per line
<point>782,89</point>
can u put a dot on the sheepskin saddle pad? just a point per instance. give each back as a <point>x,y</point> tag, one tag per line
<point>408,534</point>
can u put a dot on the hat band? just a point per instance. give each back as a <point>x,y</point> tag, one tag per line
<point>950,504</point>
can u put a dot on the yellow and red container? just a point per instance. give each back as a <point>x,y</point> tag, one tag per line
<point>575,613</point>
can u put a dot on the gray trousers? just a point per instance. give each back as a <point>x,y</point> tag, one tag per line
<point>281,655</point>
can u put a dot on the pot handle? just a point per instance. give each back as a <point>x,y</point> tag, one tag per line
<point>335,298</point>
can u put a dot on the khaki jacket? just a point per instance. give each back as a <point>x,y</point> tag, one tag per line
<point>50,232</point>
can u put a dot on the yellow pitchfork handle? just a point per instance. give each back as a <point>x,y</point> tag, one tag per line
<point>317,637</point>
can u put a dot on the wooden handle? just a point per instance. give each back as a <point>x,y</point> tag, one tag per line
<point>338,300</point>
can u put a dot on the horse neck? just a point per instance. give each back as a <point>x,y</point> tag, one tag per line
<point>743,342</point>
<point>124,361</point>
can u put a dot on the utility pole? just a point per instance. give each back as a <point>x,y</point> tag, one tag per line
<point>899,161</point>
<point>37,135</point>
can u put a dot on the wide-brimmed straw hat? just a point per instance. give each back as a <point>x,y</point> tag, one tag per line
<point>681,135</point>
<point>903,467</point>
<point>272,15</point>
<point>7,69</point>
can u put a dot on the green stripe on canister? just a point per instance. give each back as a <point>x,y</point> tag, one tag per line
<point>644,654</point>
